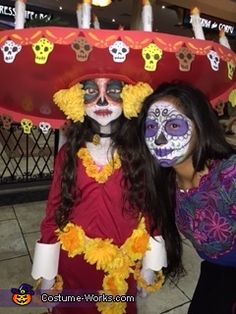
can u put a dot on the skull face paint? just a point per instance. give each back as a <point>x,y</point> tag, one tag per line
<point>102,99</point>
<point>168,133</point>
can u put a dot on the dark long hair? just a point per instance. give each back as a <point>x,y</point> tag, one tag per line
<point>161,182</point>
<point>125,141</point>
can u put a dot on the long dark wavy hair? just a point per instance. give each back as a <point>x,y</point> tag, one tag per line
<point>161,182</point>
<point>125,142</point>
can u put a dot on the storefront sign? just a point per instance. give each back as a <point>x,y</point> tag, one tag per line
<point>214,24</point>
<point>29,15</point>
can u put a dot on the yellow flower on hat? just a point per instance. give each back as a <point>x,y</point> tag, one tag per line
<point>133,97</point>
<point>71,102</point>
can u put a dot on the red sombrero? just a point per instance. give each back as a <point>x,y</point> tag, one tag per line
<point>45,60</point>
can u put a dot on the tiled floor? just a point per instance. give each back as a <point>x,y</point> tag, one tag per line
<point>19,228</point>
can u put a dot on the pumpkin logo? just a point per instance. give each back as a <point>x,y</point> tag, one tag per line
<point>23,295</point>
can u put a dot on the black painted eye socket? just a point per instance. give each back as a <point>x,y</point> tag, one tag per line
<point>87,47</point>
<point>76,46</point>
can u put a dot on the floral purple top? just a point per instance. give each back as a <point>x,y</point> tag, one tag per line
<point>207,215</point>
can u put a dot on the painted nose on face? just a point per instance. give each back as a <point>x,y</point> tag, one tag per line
<point>161,140</point>
<point>102,102</point>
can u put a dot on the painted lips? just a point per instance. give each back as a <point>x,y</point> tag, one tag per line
<point>103,112</point>
<point>163,152</point>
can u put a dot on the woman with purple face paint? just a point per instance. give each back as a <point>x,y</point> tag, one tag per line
<point>194,171</point>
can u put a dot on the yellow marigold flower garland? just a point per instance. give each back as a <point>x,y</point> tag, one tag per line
<point>72,239</point>
<point>112,307</point>
<point>160,278</point>
<point>116,262</point>
<point>91,169</point>
<point>114,285</point>
<point>100,252</point>
<point>136,245</point>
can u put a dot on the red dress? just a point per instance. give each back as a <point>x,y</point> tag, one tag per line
<point>99,213</point>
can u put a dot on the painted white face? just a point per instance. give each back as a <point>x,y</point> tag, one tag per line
<point>102,100</point>
<point>167,133</point>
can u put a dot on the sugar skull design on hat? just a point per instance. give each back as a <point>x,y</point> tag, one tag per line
<point>63,58</point>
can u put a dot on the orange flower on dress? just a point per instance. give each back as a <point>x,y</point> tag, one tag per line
<point>72,239</point>
<point>111,307</point>
<point>116,262</point>
<point>99,175</point>
<point>121,265</point>
<point>137,244</point>
<point>100,252</point>
<point>114,285</point>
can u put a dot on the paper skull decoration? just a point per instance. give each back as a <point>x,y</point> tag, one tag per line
<point>151,55</point>
<point>231,69</point>
<point>45,109</point>
<point>6,121</point>
<point>10,49</point>
<point>214,59</point>
<point>26,125</point>
<point>44,127</point>
<point>185,58</point>
<point>219,108</point>
<point>42,49</point>
<point>119,51</point>
<point>82,49</point>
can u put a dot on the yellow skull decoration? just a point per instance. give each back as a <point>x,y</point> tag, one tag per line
<point>231,69</point>
<point>42,50</point>
<point>151,54</point>
<point>26,125</point>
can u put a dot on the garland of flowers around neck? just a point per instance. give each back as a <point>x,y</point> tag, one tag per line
<point>91,169</point>
<point>116,262</point>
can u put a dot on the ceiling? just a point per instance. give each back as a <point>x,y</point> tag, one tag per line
<point>167,20</point>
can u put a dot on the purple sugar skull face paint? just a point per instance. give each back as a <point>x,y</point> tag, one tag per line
<point>167,133</point>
